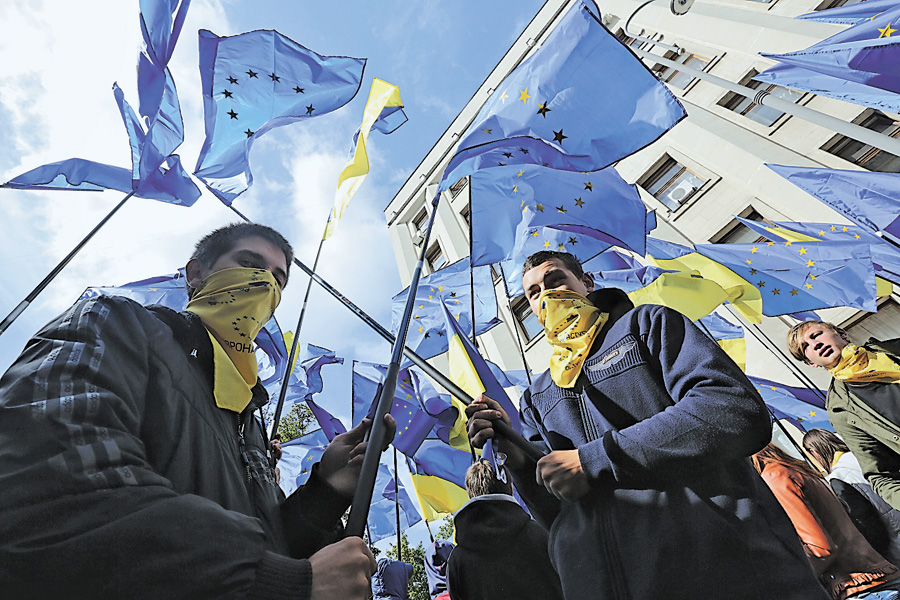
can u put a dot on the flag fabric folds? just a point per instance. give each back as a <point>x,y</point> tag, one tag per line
<point>505,200</point>
<point>795,276</point>
<point>254,82</point>
<point>450,285</point>
<point>850,14</point>
<point>297,459</point>
<point>438,474</point>
<point>73,174</point>
<point>728,336</point>
<point>417,409</point>
<point>382,522</point>
<point>383,112</point>
<point>691,295</point>
<point>744,296</point>
<point>800,404</point>
<point>557,108</point>
<point>866,198</point>
<point>534,239</point>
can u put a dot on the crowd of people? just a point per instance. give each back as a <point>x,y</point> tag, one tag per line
<point>134,465</point>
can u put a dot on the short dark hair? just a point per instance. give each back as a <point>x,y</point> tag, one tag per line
<point>481,480</point>
<point>222,240</point>
<point>568,260</point>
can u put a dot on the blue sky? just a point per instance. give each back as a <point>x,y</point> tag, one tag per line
<point>60,60</point>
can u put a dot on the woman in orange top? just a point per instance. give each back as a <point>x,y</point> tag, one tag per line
<point>840,556</point>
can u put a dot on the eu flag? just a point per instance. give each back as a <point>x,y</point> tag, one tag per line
<point>73,174</point>
<point>297,459</point>
<point>581,102</point>
<point>507,199</point>
<point>382,522</point>
<point>451,285</point>
<point>794,276</point>
<point>800,405</point>
<point>254,82</point>
<point>851,14</point>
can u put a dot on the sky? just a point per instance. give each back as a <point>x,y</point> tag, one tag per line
<point>60,60</point>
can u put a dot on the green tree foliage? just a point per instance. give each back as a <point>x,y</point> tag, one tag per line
<point>447,530</point>
<point>418,584</point>
<point>298,421</point>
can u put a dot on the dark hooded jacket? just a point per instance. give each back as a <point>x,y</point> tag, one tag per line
<point>391,580</point>
<point>500,553</point>
<point>664,423</point>
<point>121,478</point>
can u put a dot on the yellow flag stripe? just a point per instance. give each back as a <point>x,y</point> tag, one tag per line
<point>438,497</point>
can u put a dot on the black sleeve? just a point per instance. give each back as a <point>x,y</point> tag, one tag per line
<point>863,515</point>
<point>83,514</point>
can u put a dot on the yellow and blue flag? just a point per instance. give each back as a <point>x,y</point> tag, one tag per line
<point>384,113</point>
<point>727,335</point>
<point>801,406</point>
<point>452,286</point>
<point>257,81</point>
<point>794,276</point>
<point>691,295</point>
<point>438,474</point>
<point>743,295</point>
<point>581,102</point>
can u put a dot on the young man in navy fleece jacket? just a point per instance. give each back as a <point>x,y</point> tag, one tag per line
<point>647,426</point>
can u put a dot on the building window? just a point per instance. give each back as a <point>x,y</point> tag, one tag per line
<point>464,213</point>
<point>527,320</point>
<point>676,78</point>
<point>418,226</point>
<point>435,257</point>
<point>628,40</point>
<point>882,325</point>
<point>757,112</point>
<point>738,233</point>
<point>835,3</point>
<point>457,187</point>
<point>672,183</point>
<point>868,157</point>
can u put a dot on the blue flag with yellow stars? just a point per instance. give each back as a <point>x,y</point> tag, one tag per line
<point>865,53</point>
<point>438,473</point>
<point>871,200</point>
<point>450,284</point>
<point>506,199</point>
<point>801,405</point>
<point>535,239</point>
<point>795,276</point>
<point>581,102</point>
<point>850,14</point>
<point>382,521</point>
<point>416,417</point>
<point>254,82</point>
<point>297,459</point>
<point>885,255</point>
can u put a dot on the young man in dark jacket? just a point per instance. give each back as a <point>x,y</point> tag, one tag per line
<point>648,427</point>
<point>863,399</point>
<point>500,554</point>
<point>132,467</point>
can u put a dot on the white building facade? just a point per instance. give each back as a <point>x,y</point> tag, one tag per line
<point>698,176</point>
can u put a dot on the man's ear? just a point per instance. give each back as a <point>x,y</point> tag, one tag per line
<point>194,272</point>
<point>588,280</point>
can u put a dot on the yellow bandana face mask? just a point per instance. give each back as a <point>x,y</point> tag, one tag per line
<point>571,323</point>
<point>858,365</point>
<point>234,304</point>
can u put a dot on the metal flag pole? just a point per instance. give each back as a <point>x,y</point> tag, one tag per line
<point>282,394</point>
<point>362,498</point>
<point>18,310</point>
<point>501,427</point>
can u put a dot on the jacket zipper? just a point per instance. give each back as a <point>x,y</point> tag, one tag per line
<point>243,446</point>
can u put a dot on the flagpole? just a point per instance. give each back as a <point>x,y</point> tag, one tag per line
<point>397,506</point>
<point>788,435</point>
<point>282,394</point>
<point>362,498</point>
<point>501,427</point>
<point>514,325</point>
<point>18,310</point>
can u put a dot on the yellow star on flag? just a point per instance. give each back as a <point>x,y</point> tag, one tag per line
<point>749,262</point>
<point>802,251</point>
<point>886,32</point>
<point>534,233</point>
<point>520,173</point>
<point>540,207</point>
<point>503,97</point>
<point>822,232</point>
<point>810,263</point>
<point>754,250</point>
<point>807,286</point>
<point>546,244</point>
<point>523,95</point>
<point>515,189</point>
<point>788,243</point>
